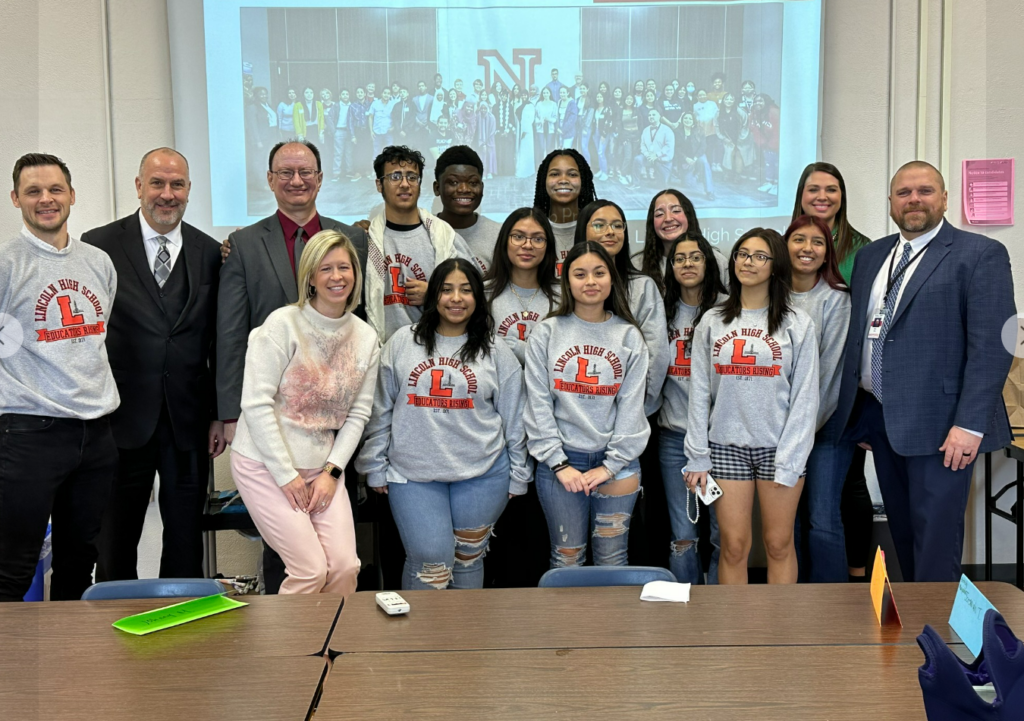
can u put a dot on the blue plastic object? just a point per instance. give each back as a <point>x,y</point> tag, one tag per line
<point>154,588</point>
<point>948,683</point>
<point>583,576</point>
<point>35,591</point>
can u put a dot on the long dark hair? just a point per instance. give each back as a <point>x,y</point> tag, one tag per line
<point>829,270</point>
<point>587,192</point>
<point>778,285</point>
<point>711,287</point>
<point>479,330</point>
<point>844,231</point>
<point>499,275</point>
<point>653,255</point>
<point>617,301</point>
<point>623,266</point>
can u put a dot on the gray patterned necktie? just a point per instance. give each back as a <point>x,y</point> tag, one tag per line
<point>162,264</point>
<point>300,244</point>
<point>889,305</point>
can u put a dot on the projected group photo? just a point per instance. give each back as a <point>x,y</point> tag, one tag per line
<point>683,95</point>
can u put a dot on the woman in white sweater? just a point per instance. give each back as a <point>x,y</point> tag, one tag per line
<point>310,371</point>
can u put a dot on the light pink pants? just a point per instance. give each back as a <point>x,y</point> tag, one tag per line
<point>319,550</point>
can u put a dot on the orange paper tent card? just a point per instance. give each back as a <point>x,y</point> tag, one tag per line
<point>881,592</point>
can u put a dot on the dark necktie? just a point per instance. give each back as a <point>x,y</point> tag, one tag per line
<point>299,245</point>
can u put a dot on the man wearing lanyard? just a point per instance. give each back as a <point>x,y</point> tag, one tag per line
<point>925,367</point>
<point>258,276</point>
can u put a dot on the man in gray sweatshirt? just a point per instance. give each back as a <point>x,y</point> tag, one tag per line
<point>57,453</point>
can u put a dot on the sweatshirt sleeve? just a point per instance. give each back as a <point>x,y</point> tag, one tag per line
<point>631,431</point>
<point>351,431</point>
<point>460,249</point>
<point>797,435</point>
<point>265,363</point>
<point>510,404</point>
<point>373,458</point>
<point>835,323</point>
<point>698,413</point>
<point>650,314</point>
<point>542,437</point>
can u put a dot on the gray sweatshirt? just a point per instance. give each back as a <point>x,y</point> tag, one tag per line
<point>648,307</point>
<point>515,316</point>
<point>752,390</point>
<point>409,254</point>
<point>481,238</point>
<point>565,239</point>
<point>54,308</point>
<point>829,309</point>
<point>585,386</point>
<point>437,418</point>
<point>675,394</point>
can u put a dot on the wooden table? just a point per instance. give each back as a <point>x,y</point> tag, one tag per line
<point>757,683</point>
<point>543,618</point>
<point>269,627</point>
<point>64,661</point>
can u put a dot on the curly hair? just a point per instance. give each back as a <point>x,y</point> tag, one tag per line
<point>457,155</point>
<point>395,154</point>
<point>587,192</point>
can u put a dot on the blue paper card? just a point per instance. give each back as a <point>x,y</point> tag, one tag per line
<point>968,614</point>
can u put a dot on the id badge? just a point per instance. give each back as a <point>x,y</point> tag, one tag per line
<point>875,329</point>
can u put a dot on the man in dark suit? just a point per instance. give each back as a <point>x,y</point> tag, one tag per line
<point>160,345</point>
<point>258,277</point>
<point>925,367</point>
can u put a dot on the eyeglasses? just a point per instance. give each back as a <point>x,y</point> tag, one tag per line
<point>599,226</point>
<point>694,258</point>
<point>758,259</point>
<point>304,173</point>
<point>396,177</point>
<point>517,239</point>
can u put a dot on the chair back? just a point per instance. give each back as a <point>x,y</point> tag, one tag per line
<point>154,588</point>
<point>580,576</point>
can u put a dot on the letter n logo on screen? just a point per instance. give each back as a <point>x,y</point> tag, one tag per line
<point>525,60</point>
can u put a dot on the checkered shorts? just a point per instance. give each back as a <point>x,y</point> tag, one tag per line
<point>742,464</point>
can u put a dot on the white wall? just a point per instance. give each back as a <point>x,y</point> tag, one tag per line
<point>53,87</point>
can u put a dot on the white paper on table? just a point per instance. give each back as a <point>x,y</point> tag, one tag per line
<point>666,591</point>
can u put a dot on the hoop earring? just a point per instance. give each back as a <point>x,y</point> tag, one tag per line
<point>311,291</point>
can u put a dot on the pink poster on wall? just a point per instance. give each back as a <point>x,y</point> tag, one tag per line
<point>988,191</point>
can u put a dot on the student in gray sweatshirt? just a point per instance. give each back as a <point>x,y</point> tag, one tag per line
<point>565,185</point>
<point>819,291</point>
<point>521,282</point>
<point>523,288</point>
<point>445,440</point>
<point>692,288</point>
<point>58,457</point>
<point>604,222</point>
<point>459,184</point>
<point>586,367</point>
<point>753,405</point>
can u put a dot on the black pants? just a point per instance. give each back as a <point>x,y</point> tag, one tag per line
<point>925,502</point>
<point>56,467</point>
<point>184,480</point>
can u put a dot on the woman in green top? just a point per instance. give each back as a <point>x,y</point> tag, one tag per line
<point>821,192</point>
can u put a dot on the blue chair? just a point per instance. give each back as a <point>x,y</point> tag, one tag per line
<point>581,576</point>
<point>154,588</point>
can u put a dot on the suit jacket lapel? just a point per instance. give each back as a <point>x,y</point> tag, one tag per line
<point>191,254</point>
<point>937,250</point>
<point>273,239</point>
<point>134,247</point>
<point>872,265</point>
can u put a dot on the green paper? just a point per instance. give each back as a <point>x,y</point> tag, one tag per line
<point>160,618</point>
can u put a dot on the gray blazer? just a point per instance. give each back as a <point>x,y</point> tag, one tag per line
<point>255,281</point>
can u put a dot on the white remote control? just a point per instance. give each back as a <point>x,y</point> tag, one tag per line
<point>392,603</point>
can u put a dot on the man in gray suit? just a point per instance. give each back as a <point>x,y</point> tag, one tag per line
<point>258,276</point>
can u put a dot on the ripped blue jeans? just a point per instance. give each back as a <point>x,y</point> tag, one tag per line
<point>574,517</point>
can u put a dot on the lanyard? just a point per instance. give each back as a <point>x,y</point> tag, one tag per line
<point>899,274</point>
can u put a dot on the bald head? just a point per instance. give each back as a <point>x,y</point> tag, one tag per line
<point>919,165</point>
<point>917,198</point>
<point>165,151</point>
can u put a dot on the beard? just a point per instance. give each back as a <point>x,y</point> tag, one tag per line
<point>166,215</point>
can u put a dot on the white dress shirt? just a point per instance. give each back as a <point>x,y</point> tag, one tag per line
<point>152,245</point>
<point>877,297</point>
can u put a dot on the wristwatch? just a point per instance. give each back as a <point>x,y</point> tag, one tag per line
<point>333,470</point>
